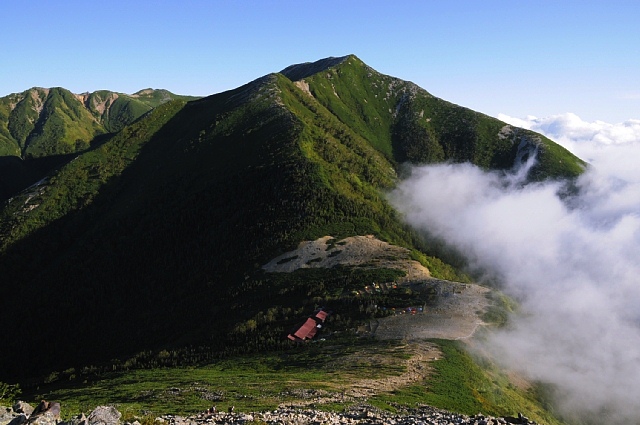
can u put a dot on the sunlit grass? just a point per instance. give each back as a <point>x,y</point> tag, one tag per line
<point>327,370</point>
<point>251,383</point>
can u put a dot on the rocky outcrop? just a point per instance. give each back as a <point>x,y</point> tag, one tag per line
<point>361,414</point>
<point>15,415</point>
<point>46,418</point>
<point>18,420</point>
<point>46,413</point>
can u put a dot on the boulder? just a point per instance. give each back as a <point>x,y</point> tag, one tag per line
<point>46,413</point>
<point>22,407</point>
<point>104,415</point>
<point>42,407</point>
<point>45,418</point>
<point>6,415</point>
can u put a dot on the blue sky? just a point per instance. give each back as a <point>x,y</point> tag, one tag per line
<point>513,57</point>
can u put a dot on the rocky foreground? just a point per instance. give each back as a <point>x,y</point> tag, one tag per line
<point>23,414</point>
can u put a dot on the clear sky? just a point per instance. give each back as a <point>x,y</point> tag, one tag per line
<point>513,57</point>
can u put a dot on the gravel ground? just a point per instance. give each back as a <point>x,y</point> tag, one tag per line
<point>456,315</point>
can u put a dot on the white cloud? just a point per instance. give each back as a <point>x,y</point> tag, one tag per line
<point>574,263</point>
<point>571,128</point>
<point>614,148</point>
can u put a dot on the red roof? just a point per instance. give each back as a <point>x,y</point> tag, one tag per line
<point>308,327</point>
<point>312,333</point>
<point>322,315</point>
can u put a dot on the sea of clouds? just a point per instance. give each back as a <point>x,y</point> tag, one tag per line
<point>573,262</point>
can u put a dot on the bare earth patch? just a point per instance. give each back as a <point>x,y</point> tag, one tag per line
<point>362,251</point>
<point>142,93</point>
<point>304,86</point>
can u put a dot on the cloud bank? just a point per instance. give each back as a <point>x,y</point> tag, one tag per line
<point>574,263</point>
<point>612,148</point>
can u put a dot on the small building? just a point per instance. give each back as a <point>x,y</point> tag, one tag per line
<point>308,329</point>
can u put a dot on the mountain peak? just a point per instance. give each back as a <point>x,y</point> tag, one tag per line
<point>303,70</point>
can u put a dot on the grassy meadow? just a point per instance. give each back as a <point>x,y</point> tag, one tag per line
<point>318,375</point>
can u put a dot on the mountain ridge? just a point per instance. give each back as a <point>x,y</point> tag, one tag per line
<point>163,225</point>
<point>26,116</point>
<point>45,127</point>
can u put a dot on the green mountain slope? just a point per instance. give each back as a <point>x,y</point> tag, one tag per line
<point>54,123</point>
<point>41,122</point>
<point>154,238</point>
<point>406,123</point>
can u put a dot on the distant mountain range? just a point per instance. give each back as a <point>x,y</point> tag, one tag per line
<point>137,222</point>
<point>42,122</point>
<point>52,122</point>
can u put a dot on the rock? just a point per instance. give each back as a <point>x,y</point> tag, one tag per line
<point>6,415</point>
<point>45,413</point>
<point>40,408</point>
<point>54,410</point>
<point>45,418</point>
<point>18,420</point>
<point>104,415</point>
<point>22,407</point>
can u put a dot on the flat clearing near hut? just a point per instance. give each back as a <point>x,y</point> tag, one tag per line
<point>456,315</point>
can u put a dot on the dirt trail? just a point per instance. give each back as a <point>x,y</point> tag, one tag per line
<point>418,368</point>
